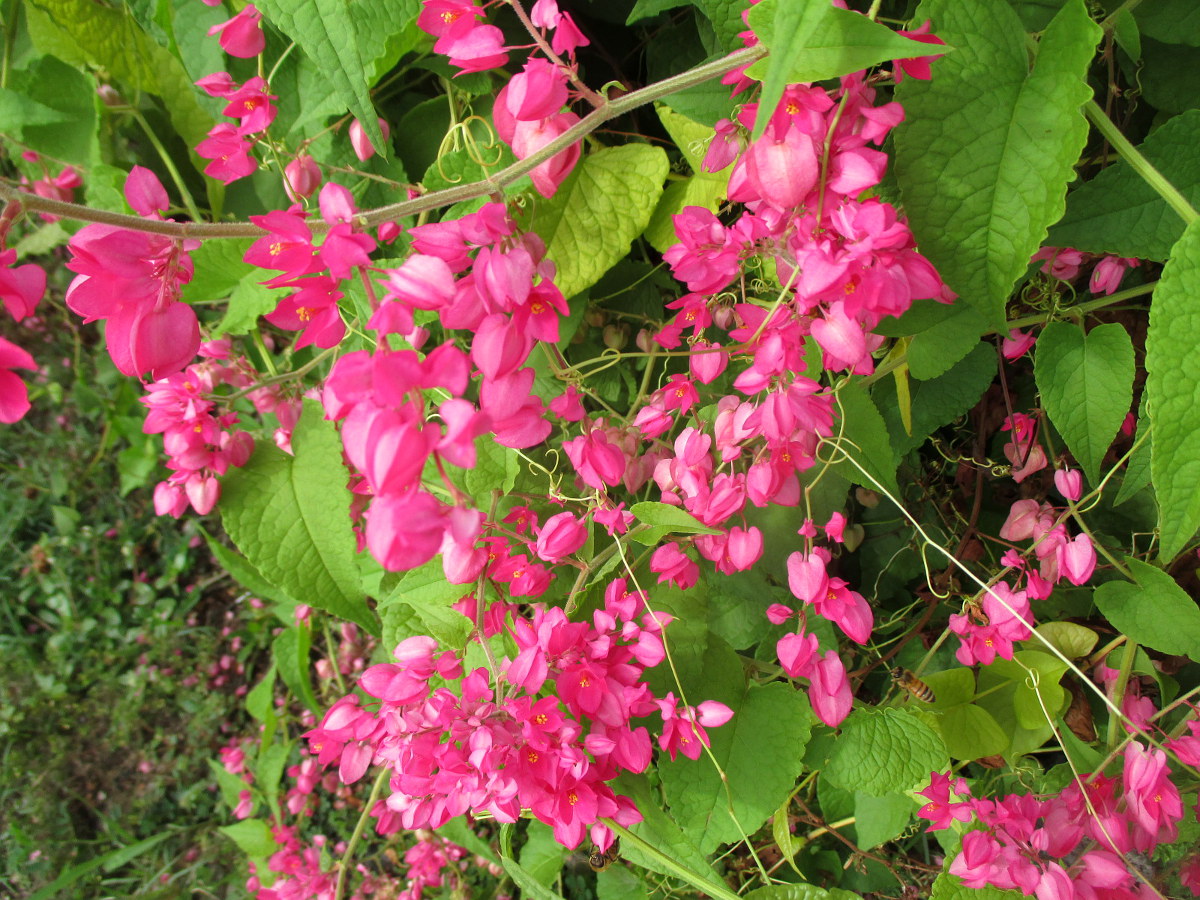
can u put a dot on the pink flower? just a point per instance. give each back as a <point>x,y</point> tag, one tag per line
<point>561,536</point>
<point>917,66</point>
<point>530,137</point>
<point>21,287</point>
<point>941,810</point>
<point>361,144</point>
<point>1069,483</point>
<point>302,177</point>
<point>797,654</point>
<point>1077,560</point>
<point>672,565</point>
<point>242,36</point>
<point>14,396</point>
<point>229,152</point>
<point>1153,801</point>
<point>829,690</point>
<point>1017,344</point>
<point>537,92</point>
<point>1107,275</point>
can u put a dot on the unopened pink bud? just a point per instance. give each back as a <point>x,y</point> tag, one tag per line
<point>363,148</point>
<point>302,176</point>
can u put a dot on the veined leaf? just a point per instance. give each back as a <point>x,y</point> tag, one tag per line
<point>988,146</point>
<point>1173,371</point>
<point>598,211</point>
<point>289,515</point>
<point>1086,383</point>
<point>1155,612</point>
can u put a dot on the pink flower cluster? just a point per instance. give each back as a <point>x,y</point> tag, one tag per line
<point>451,753</point>
<point>432,863</point>
<point>831,598</point>
<point>132,280</point>
<point>1065,265</point>
<point>315,272</point>
<point>198,433</point>
<point>528,110</point>
<point>228,145</point>
<point>53,187</point>
<point>507,301</point>
<point>1069,845</point>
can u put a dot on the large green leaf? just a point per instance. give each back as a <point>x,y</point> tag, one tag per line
<point>1173,371</point>
<point>350,43</point>
<point>1172,21</point>
<point>290,516</point>
<point>1118,212</point>
<point>950,887</point>
<point>1086,383</point>
<point>817,41</point>
<point>970,732</point>
<point>761,751</point>
<point>597,212</point>
<point>883,751</point>
<point>988,146</point>
<point>1155,612</point>
<point>82,32</point>
<point>52,109</point>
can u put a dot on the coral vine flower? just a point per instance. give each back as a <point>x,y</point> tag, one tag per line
<point>14,396</point>
<point>242,36</point>
<point>21,287</point>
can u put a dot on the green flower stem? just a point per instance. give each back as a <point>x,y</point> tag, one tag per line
<point>358,830</point>
<point>184,193</point>
<point>1140,164</point>
<point>703,884</point>
<point>1118,694</point>
<point>435,200</point>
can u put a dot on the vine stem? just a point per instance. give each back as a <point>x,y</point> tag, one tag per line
<point>358,830</point>
<point>610,109</point>
<point>1140,164</point>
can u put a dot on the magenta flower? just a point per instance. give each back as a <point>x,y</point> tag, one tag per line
<point>361,144</point>
<point>14,396</point>
<point>561,536</point>
<point>21,287</point>
<point>1153,801</point>
<point>229,152</point>
<point>829,690</point>
<point>242,36</point>
<point>941,810</point>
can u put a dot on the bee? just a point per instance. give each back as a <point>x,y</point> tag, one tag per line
<point>913,685</point>
<point>601,860</point>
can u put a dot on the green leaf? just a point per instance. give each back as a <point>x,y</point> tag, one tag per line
<point>645,9</point>
<point>268,770</point>
<point>1086,383</point>
<point>260,702</point>
<point>726,18</point>
<point>597,212</point>
<point>1071,640</point>
<point>1038,698</point>
<point>878,820</point>
<point>83,32</point>
<point>935,350</point>
<point>1117,212</point>
<point>761,751</point>
<point>664,519</point>
<point>542,856</point>
<point>530,886</point>
<point>691,137</point>
<point>426,593</point>
<point>619,883</point>
<point>1156,612</point>
<point>800,892</point>
<point>987,147</point>
<point>659,830</point>
<point>936,402</point>
<point>52,108</point>
<point>1173,371</point>
<point>253,837</point>
<point>1137,470</point>
<point>349,43</point>
<point>290,516</point>
<point>866,441</point>
<point>246,575</point>
<point>1170,21</point>
<point>459,832</point>
<point>290,652</point>
<point>970,732</point>
<point>230,785</point>
<point>814,42</point>
<point>496,469</point>
<point>950,887</point>
<point>883,751</point>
